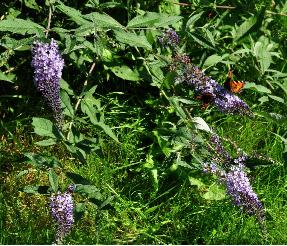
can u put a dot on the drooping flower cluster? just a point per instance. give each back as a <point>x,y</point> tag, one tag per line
<point>239,188</point>
<point>233,176</point>
<point>62,206</point>
<point>169,38</point>
<point>224,100</point>
<point>48,65</point>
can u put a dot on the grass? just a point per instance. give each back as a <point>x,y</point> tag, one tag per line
<point>176,214</point>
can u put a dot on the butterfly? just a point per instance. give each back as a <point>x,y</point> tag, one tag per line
<point>231,85</point>
<point>206,99</point>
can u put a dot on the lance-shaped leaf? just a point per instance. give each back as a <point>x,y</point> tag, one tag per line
<point>20,26</point>
<point>133,39</point>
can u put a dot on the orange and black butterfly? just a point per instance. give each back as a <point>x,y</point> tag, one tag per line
<point>206,99</point>
<point>231,85</point>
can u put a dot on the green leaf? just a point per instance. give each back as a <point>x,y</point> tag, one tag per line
<point>41,161</point>
<point>244,28</point>
<point>66,87</point>
<point>201,124</point>
<point>20,26</point>
<point>31,4</point>
<point>259,88</point>
<point>278,99</point>
<point>66,104</point>
<point>132,39</point>
<point>74,14</point>
<point>165,21</point>
<point>152,19</point>
<point>36,189</point>
<point>45,128</point>
<point>196,182</point>
<point>103,21</point>
<point>89,190</point>
<point>214,193</point>
<point>77,178</point>
<point>146,20</point>
<point>107,202</point>
<point>46,142</point>
<point>87,107</point>
<point>53,179</point>
<point>174,101</point>
<point>191,21</point>
<point>124,72</point>
<point>107,130</point>
<point>200,39</point>
<point>213,59</point>
<point>8,78</point>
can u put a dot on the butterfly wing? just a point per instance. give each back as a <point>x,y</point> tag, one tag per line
<point>206,99</point>
<point>231,85</point>
<point>236,86</point>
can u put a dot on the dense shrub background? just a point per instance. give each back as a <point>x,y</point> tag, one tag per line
<point>134,141</point>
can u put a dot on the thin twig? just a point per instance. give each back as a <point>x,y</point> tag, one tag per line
<point>14,68</point>
<point>182,4</point>
<point>224,7</point>
<point>81,97</point>
<point>49,21</point>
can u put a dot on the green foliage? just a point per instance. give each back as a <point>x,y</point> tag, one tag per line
<point>134,139</point>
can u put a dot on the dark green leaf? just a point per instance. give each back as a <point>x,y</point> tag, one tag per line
<point>66,104</point>
<point>65,86</point>
<point>20,26</point>
<point>41,161</point>
<point>45,128</point>
<point>107,130</point>
<point>53,179</point>
<point>77,178</point>
<point>125,72</point>
<point>107,202</point>
<point>36,189</point>
<point>132,39</point>
<point>103,21</point>
<point>89,190</point>
<point>244,28</point>
<point>47,142</point>
<point>74,14</point>
<point>146,20</point>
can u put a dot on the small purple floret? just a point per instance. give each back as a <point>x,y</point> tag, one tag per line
<point>48,65</point>
<point>169,38</point>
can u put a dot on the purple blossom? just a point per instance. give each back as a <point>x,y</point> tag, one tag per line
<point>169,38</point>
<point>62,206</point>
<point>48,65</point>
<point>239,188</point>
<point>232,175</point>
<point>224,100</point>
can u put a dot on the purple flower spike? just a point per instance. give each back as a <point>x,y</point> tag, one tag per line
<point>224,100</point>
<point>239,188</point>
<point>62,206</point>
<point>48,65</point>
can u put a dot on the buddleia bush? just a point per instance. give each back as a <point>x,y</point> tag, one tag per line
<point>173,62</point>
